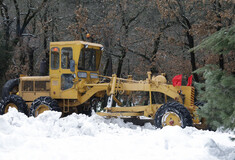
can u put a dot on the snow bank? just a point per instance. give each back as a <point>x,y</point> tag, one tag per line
<point>50,137</point>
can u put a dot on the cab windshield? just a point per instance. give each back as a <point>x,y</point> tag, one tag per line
<point>89,59</point>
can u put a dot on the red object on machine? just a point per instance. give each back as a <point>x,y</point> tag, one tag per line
<point>55,49</point>
<point>176,81</point>
<point>88,35</point>
<point>190,80</point>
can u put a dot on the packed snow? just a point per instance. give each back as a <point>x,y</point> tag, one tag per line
<point>49,137</point>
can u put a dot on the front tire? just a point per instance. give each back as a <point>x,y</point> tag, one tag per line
<point>42,104</point>
<point>172,114</point>
<point>14,101</point>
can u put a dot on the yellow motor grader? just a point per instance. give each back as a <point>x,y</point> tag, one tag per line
<point>74,85</point>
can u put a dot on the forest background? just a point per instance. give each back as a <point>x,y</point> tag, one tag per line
<point>138,35</point>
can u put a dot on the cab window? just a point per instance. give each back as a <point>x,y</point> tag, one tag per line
<point>66,81</point>
<point>88,59</point>
<point>66,56</point>
<point>55,58</point>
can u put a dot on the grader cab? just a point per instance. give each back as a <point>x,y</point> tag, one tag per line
<point>74,85</point>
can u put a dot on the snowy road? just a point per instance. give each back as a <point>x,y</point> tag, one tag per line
<point>78,137</point>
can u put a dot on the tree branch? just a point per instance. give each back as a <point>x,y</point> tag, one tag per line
<point>17,18</point>
<point>28,18</point>
<point>141,55</point>
<point>134,18</point>
<point>115,55</point>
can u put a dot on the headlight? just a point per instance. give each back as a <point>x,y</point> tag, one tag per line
<point>82,74</point>
<point>94,75</point>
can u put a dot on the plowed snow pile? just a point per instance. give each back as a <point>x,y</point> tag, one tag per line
<point>78,137</point>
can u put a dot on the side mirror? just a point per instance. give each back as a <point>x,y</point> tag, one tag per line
<point>72,65</point>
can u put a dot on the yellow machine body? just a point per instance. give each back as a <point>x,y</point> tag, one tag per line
<point>74,79</point>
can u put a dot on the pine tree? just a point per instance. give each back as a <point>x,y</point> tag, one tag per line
<point>218,90</point>
<point>221,42</point>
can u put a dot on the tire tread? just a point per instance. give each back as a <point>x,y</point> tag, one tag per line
<point>51,103</point>
<point>179,109</point>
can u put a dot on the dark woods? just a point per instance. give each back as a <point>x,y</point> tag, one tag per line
<point>139,36</point>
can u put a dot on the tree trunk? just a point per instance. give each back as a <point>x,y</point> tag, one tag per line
<point>120,63</point>
<point>221,61</point>
<point>45,37</point>
<point>192,54</point>
<point>218,10</point>
<point>119,69</point>
<point>31,60</point>
<point>108,71</point>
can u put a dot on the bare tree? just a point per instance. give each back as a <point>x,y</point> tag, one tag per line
<point>19,25</point>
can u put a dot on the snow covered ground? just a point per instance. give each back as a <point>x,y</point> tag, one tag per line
<point>78,137</point>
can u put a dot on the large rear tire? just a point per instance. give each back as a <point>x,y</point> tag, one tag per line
<point>14,101</point>
<point>42,104</point>
<point>172,114</point>
<point>10,87</point>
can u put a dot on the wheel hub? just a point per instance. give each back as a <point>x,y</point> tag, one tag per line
<point>10,105</point>
<point>40,109</point>
<point>171,119</point>
<point>171,122</point>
